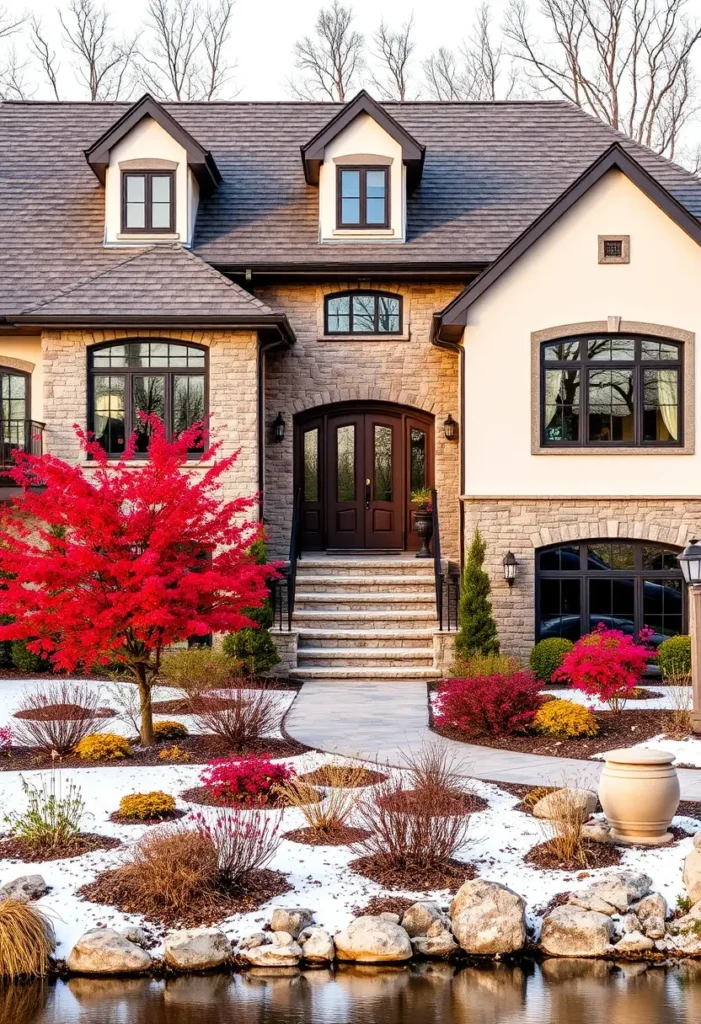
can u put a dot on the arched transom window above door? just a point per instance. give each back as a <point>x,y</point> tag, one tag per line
<point>363,313</point>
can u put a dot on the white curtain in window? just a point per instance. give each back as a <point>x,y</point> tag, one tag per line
<point>669,401</point>
<point>553,382</point>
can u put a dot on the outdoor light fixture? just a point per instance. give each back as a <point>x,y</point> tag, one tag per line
<point>690,563</point>
<point>510,567</point>
<point>451,428</point>
<point>279,428</point>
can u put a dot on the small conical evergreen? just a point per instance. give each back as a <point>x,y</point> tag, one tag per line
<point>477,633</point>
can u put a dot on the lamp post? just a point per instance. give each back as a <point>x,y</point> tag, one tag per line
<point>690,565</point>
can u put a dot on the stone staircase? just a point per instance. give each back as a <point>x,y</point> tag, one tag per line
<point>365,619</point>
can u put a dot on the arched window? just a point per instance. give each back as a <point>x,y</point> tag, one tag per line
<point>162,377</point>
<point>624,584</point>
<point>611,390</point>
<point>363,313</point>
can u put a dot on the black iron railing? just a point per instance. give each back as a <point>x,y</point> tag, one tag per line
<point>283,595</point>
<point>447,581</point>
<point>19,435</point>
<point>437,568</point>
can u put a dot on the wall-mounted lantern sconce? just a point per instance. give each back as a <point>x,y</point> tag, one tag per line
<point>510,568</point>
<point>279,428</point>
<point>451,429</point>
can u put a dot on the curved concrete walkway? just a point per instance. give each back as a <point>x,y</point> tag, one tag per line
<point>382,721</point>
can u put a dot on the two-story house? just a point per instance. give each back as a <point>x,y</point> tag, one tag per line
<point>493,300</point>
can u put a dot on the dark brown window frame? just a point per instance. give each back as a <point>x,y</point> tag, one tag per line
<point>148,229</point>
<point>350,333</point>
<point>130,372</point>
<point>362,224</point>
<point>584,364</point>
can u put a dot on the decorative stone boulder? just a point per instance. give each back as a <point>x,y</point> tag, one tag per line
<point>274,954</point>
<point>419,917</point>
<point>440,944</point>
<point>26,887</point>
<point>317,945</point>
<point>135,935</point>
<point>692,874</point>
<point>613,894</point>
<point>570,801</point>
<point>105,951</point>
<point>291,919</point>
<point>372,940</point>
<point>634,942</point>
<point>654,927</point>
<point>597,831</point>
<point>196,949</point>
<point>654,905</point>
<point>488,918</point>
<point>570,930</point>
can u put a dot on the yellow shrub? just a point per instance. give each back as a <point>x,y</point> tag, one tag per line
<point>146,805</point>
<point>565,719</point>
<point>168,730</point>
<point>103,746</point>
<point>174,753</point>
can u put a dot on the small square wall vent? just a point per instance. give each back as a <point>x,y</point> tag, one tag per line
<point>614,248</point>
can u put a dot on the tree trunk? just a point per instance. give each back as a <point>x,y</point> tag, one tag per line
<point>146,711</point>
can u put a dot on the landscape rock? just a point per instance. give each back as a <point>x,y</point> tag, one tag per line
<point>661,946</point>
<point>440,944</point>
<point>619,889</point>
<point>635,942</point>
<point>654,905</point>
<point>697,840</point>
<point>437,927</point>
<point>283,938</point>
<point>272,955</point>
<point>372,940</point>
<point>256,939</point>
<point>317,945</point>
<point>26,887</point>
<point>105,951</point>
<point>570,930</point>
<point>692,874</point>
<point>418,918</point>
<point>291,919</point>
<point>597,831</point>
<point>387,915</point>
<point>135,935</point>
<point>552,805</point>
<point>654,927</point>
<point>196,949</point>
<point>586,900</point>
<point>631,923</point>
<point>488,918</point>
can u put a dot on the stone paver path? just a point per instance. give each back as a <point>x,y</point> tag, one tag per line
<point>381,721</point>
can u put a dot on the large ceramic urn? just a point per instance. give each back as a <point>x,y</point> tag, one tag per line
<point>639,792</point>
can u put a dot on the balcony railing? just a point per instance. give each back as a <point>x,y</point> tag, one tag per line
<point>18,435</point>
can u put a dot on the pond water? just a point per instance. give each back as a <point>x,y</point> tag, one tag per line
<point>558,991</point>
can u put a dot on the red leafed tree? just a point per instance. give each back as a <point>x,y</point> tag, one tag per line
<point>116,562</point>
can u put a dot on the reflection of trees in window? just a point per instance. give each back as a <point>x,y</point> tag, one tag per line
<point>311,464</point>
<point>383,463</point>
<point>418,459</point>
<point>345,463</point>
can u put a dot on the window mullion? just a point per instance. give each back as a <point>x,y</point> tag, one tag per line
<point>147,192</point>
<point>363,199</point>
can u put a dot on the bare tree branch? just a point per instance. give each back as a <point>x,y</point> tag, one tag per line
<point>216,32</point>
<point>482,74</point>
<point>12,78</point>
<point>394,50</point>
<point>42,50</point>
<point>9,23</point>
<point>102,63</point>
<point>331,63</point>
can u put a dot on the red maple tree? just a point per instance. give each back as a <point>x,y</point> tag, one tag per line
<point>116,562</point>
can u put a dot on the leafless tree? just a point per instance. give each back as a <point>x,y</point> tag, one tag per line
<point>102,62</point>
<point>479,70</point>
<point>183,54</point>
<point>331,63</point>
<point>44,53</point>
<point>629,62</point>
<point>393,51</point>
<point>10,23</point>
<point>13,85</point>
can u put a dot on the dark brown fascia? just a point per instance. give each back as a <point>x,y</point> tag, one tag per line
<point>453,319</point>
<point>366,271</point>
<point>313,152</point>
<point>199,159</point>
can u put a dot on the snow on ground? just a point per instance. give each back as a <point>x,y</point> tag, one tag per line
<point>670,697</point>
<point>686,751</point>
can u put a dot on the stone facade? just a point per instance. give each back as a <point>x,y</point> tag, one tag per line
<point>408,370</point>
<point>524,524</point>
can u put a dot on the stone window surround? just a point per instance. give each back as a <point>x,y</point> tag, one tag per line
<point>625,249</point>
<point>12,363</point>
<point>364,286</point>
<point>612,325</point>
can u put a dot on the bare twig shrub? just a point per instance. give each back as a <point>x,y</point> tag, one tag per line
<point>244,841</point>
<point>678,720</point>
<point>61,733</point>
<point>197,669</point>
<point>238,715</point>
<point>25,940</point>
<point>326,815</point>
<point>125,697</point>
<point>434,766</point>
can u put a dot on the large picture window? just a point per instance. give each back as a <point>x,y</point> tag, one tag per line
<point>363,313</point>
<point>165,378</point>
<point>623,584</point>
<point>611,390</point>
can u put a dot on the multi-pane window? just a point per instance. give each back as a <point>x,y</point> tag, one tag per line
<point>611,390</point>
<point>363,313</point>
<point>363,197</point>
<point>148,201</point>
<point>163,378</point>
<point>14,404</point>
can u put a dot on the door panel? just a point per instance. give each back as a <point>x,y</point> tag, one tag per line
<point>418,470</point>
<point>383,468</point>
<point>345,435</point>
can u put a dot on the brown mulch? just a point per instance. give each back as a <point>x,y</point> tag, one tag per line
<point>690,808</point>
<point>384,905</point>
<point>196,706</point>
<point>558,900</point>
<point>125,819</point>
<point>452,802</point>
<point>86,842</point>
<point>598,855</point>
<point>344,835</point>
<point>343,776</point>
<point>641,693</point>
<point>63,713</point>
<point>450,875</point>
<point>212,906</point>
<point>200,749</point>
<point>202,795</point>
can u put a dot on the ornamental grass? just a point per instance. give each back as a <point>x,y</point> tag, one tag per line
<point>26,940</point>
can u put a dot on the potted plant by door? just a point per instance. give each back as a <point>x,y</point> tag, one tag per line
<point>423,519</point>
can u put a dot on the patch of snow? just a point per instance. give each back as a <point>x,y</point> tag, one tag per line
<point>668,699</point>
<point>686,751</point>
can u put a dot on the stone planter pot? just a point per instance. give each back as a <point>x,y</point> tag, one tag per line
<point>639,792</point>
<point>423,524</point>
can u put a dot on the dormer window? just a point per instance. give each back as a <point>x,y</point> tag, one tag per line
<point>363,197</point>
<point>148,202</point>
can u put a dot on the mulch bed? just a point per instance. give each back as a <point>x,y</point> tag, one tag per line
<point>384,905</point>
<point>690,808</point>
<point>558,900</point>
<point>86,842</point>
<point>413,801</point>
<point>342,777</point>
<point>450,875</point>
<point>125,819</point>
<point>598,855</point>
<point>212,906</point>
<point>641,693</point>
<point>196,706</point>
<point>63,713</point>
<point>201,795</point>
<point>344,835</point>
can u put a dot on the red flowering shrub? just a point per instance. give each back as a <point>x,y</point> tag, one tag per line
<point>493,705</point>
<point>246,780</point>
<point>607,664</point>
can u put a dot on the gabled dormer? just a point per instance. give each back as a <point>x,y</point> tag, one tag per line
<point>363,162</point>
<point>154,173</point>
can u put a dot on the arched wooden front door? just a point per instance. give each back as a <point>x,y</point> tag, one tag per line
<point>357,464</point>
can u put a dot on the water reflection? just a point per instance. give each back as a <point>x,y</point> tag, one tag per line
<point>573,991</point>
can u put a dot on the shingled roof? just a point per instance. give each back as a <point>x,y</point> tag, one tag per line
<point>490,169</point>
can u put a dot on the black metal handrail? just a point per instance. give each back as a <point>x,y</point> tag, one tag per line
<point>20,435</point>
<point>295,555</point>
<point>437,569</point>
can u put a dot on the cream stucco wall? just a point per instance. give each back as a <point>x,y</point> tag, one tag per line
<point>559,281</point>
<point>362,142</point>
<point>149,143</point>
<point>25,354</point>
